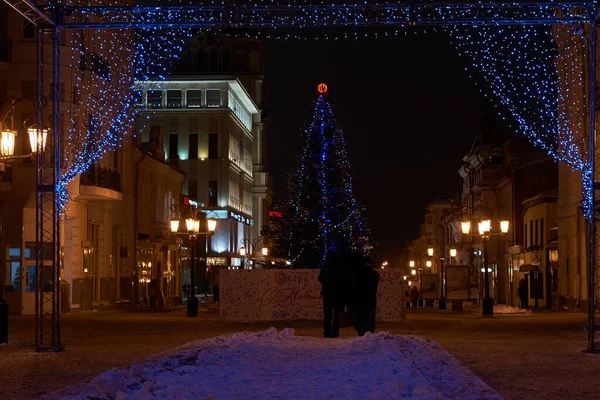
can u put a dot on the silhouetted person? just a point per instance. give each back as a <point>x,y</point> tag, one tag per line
<point>216,293</point>
<point>522,292</point>
<point>332,306</point>
<point>373,284</point>
<point>153,292</point>
<point>414,296</point>
<point>365,281</point>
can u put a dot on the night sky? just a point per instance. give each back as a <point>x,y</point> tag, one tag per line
<point>408,110</point>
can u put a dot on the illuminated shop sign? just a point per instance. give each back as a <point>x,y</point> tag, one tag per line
<point>241,218</point>
<point>189,202</point>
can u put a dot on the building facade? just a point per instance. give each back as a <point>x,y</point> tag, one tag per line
<point>99,224</point>
<point>500,181</point>
<point>211,127</point>
<point>572,261</point>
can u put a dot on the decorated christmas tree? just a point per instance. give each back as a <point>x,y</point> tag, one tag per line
<point>319,219</point>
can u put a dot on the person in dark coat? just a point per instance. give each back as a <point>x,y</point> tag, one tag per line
<point>153,291</point>
<point>373,284</point>
<point>366,280</point>
<point>414,296</point>
<point>332,292</point>
<point>522,292</point>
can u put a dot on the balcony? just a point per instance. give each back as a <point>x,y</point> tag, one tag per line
<point>5,51</point>
<point>99,183</point>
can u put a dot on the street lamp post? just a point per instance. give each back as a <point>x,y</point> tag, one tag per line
<point>484,228</point>
<point>248,249</point>
<point>431,252</point>
<point>192,224</point>
<point>7,155</point>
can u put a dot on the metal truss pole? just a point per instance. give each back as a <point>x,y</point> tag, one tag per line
<point>592,239</point>
<point>48,249</point>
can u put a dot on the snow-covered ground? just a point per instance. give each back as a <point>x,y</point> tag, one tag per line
<point>280,365</point>
<point>504,309</point>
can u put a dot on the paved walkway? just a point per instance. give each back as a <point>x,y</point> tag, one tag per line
<point>535,356</point>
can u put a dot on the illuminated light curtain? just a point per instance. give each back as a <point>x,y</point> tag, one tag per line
<point>536,74</point>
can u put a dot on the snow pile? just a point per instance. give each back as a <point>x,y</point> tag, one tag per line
<point>273,364</point>
<point>504,309</point>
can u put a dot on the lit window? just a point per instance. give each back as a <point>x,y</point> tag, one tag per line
<point>173,98</point>
<point>194,98</point>
<point>138,99</point>
<point>14,252</point>
<point>213,98</point>
<point>155,98</point>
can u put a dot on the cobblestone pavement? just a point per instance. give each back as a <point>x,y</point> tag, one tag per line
<point>535,356</point>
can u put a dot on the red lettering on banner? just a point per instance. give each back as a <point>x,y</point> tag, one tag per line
<point>290,296</point>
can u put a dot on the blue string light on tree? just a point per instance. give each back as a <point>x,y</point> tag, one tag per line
<point>320,215</point>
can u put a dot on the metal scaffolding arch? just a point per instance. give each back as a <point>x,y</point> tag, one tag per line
<point>47,219</point>
<point>50,17</point>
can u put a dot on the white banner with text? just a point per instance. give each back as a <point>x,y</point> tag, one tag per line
<point>279,294</point>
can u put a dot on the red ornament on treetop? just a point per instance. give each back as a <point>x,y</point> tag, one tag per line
<point>322,88</point>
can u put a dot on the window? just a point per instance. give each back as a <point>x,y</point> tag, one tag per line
<point>173,98</point>
<point>537,238</point>
<point>138,98</point>
<point>193,189</point>
<point>542,231</point>
<point>173,146</point>
<point>13,280</point>
<point>247,166</point>
<point>194,98</point>
<point>234,195</point>
<point>116,159</point>
<point>525,237</point>
<point>15,276</point>
<point>213,98</point>
<point>155,98</point>
<point>247,202</point>
<point>531,242</point>
<point>234,151</point>
<point>212,193</point>
<point>213,146</point>
<point>239,111</point>
<point>28,29</point>
<point>193,148</point>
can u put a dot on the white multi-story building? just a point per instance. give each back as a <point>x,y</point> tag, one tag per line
<point>212,130</point>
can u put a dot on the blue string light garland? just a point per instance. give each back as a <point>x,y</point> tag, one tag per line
<point>519,66</point>
<point>516,61</point>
